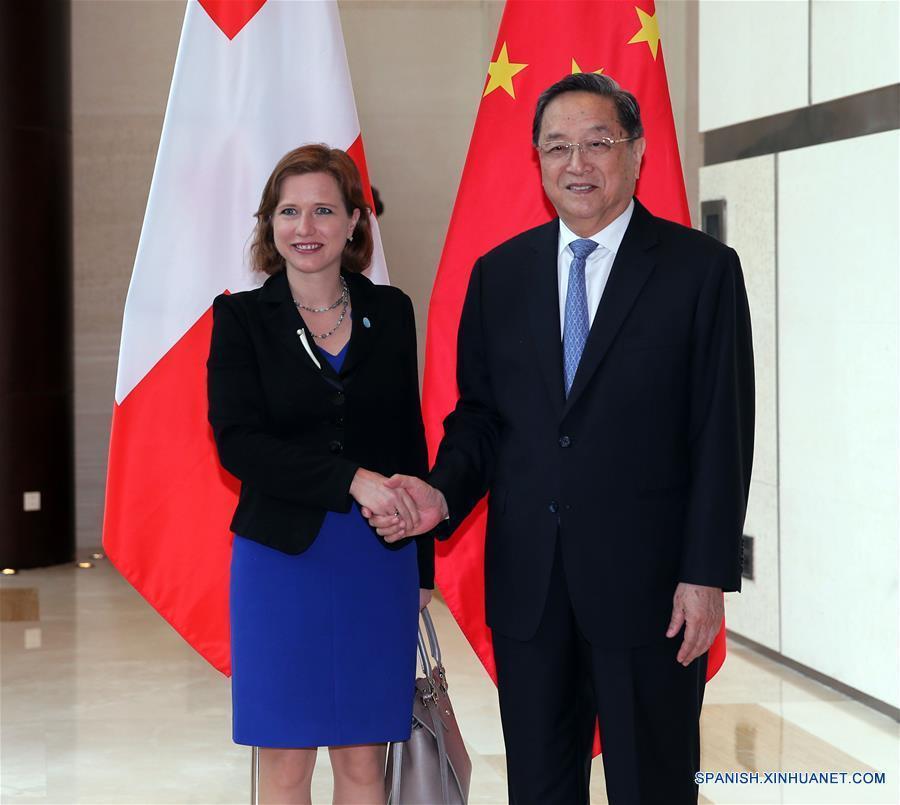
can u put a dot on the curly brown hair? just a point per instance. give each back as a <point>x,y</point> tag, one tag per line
<point>317,158</point>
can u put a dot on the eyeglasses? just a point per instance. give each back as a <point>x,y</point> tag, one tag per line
<point>560,150</point>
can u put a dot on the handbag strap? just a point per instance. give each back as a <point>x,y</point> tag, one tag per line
<point>431,705</point>
<point>423,656</point>
<point>435,647</point>
<point>443,761</point>
<point>397,772</point>
<point>429,698</point>
<point>432,636</point>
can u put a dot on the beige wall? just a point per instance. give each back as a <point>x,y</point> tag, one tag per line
<point>122,59</point>
<point>418,69</point>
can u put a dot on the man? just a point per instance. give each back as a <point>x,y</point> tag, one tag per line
<point>606,403</point>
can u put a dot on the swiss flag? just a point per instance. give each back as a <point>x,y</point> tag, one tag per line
<point>500,195</point>
<point>253,80</point>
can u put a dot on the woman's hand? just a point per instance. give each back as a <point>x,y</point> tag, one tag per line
<point>424,598</point>
<point>431,508</point>
<point>368,489</point>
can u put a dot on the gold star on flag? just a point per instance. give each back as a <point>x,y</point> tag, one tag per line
<point>501,74</point>
<point>576,69</point>
<point>649,32</point>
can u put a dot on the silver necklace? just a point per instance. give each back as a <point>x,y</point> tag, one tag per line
<point>341,298</point>
<point>340,321</point>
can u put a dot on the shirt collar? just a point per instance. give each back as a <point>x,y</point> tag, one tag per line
<point>610,237</point>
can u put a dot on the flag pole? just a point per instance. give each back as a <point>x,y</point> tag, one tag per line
<point>254,776</point>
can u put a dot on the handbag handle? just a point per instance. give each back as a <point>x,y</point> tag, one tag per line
<point>423,656</point>
<point>430,700</point>
<point>435,649</point>
<point>432,636</point>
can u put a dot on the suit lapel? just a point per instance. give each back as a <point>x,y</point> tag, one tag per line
<point>543,291</point>
<point>632,267</point>
<point>282,317</point>
<point>367,326</point>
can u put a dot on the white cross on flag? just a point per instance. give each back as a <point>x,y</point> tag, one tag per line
<point>253,79</point>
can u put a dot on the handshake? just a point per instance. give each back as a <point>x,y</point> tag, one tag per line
<point>398,507</point>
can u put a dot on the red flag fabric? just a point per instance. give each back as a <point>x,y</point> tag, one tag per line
<point>500,195</point>
<point>243,94</point>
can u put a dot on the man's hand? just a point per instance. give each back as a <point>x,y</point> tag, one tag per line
<point>372,492</point>
<point>428,502</point>
<point>702,609</point>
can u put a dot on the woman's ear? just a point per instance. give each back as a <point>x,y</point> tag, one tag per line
<point>354,220</point>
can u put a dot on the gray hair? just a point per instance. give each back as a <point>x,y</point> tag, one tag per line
<point>626,104</point>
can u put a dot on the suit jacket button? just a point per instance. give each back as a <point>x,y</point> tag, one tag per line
<point>338,398</point>
<point>554,507</point>
<point>565,441</point>
<point>339,420</point>
<point>335,446</point>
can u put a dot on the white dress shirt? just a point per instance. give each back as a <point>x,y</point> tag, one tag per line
<point>597,266</point>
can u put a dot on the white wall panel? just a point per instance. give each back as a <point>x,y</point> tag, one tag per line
<point>838,257</point>
<point>748,187</point>
<point>753,59</point>
<point>855,46</point>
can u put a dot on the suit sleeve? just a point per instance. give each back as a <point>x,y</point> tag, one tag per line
<point>275,466</point>
<point>418,450</point>
<point>721,429</point>
<point>466,458</point>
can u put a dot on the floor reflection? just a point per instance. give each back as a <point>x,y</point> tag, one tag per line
<point>102,702</point>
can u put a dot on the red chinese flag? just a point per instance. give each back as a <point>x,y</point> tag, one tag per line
<point>500,195</point>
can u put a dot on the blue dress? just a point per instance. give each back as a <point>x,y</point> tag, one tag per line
<point>323,644</point>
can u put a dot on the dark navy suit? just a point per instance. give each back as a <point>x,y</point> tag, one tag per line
<point>603,501</point>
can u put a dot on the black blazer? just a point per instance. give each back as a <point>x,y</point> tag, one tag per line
<point>643,472</point>
<point>294,434</point>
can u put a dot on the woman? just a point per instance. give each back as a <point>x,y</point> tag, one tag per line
<point>313,400</point>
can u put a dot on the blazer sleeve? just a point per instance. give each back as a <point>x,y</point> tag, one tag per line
<point>467,455</point>
<point>720,429</point>
<point>271,465</point>
<point>418,450</point>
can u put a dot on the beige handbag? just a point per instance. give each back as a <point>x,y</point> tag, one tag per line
<point>433,766</point>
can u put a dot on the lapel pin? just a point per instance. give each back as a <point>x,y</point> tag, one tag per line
<point>366,322</point>
<point>302,333</point>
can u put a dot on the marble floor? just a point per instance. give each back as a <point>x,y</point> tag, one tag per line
<point>101,702</point>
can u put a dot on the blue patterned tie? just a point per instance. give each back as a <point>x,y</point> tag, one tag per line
<point>575,329</point>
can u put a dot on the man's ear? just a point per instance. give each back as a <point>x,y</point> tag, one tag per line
<point>640,145</point>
